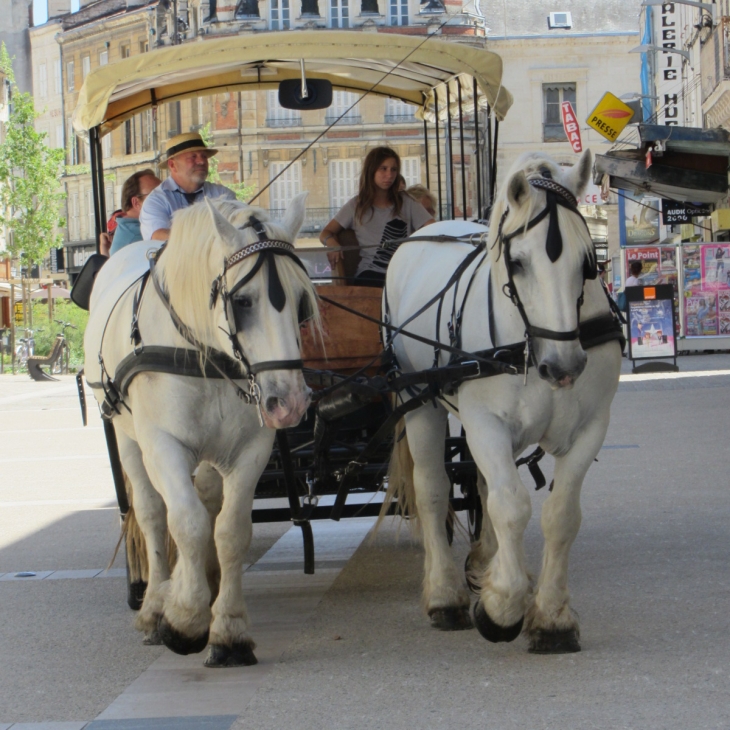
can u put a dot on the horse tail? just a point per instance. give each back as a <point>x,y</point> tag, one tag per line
<point>136,549</point>
<point>401,490</point>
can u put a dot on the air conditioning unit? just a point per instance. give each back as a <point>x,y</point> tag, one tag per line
<point>560,20</point>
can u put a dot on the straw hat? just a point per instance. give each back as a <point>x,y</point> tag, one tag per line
<point>188,142</point>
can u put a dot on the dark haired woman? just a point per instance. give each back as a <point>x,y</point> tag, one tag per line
<point>379,214</point>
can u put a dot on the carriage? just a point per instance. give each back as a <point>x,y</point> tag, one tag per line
<point>454,86</point>
<point>334,463</point>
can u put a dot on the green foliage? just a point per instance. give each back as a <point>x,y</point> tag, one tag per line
<point>45,331</point>
<point>242,191</point>
<point>30,190</point>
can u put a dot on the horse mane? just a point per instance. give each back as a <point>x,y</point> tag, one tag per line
<point>194,258</point>
<point>577,243</point>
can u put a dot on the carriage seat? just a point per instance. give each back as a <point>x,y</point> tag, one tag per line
<point>36,361</point>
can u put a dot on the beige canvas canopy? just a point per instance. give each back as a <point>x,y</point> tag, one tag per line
<point>403,67</point>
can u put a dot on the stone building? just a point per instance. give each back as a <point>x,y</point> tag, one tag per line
<point>556,51</point>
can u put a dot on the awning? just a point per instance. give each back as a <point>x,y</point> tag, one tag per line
<point>404,67</point>
<point>686,164</point>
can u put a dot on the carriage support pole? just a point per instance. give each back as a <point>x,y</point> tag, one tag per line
<point>282,442</point>
<point>438,151</point>
<point>116,464</point>
<point>477,151</point>
<point>463,160</point>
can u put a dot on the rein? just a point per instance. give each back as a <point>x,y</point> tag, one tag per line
<point>217,364</point>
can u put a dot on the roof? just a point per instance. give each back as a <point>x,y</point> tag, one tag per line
<point>403,67</point>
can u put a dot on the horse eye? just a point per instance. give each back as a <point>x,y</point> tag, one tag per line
<point>516,266</point>
<point>243,302</point>
<point>546,173</point>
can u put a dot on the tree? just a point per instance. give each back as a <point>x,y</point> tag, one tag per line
<point>241,190</point>
<point>31,195</point>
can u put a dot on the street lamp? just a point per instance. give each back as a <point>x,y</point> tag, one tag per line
<point>678,51</point>
<point>711,8</point>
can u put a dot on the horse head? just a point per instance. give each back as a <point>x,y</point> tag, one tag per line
<point>542,254</point>
<point>246,302</point>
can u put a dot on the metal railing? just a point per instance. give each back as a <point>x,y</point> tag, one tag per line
<point>348,119</point>
<point>400,118</point>
<point>283,121</point>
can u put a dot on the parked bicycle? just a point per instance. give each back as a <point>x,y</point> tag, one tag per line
<point>25,347</point>
<point>62,364</point>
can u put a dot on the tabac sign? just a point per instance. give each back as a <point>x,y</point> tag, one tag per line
<point>570,125</point>
<point>610,116</point>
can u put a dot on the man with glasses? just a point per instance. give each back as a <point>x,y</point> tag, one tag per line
<point>127,229</point>
<point>187,160</point>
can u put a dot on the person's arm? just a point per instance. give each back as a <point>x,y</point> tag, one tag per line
<point>105,244</point>
<point>154,218</point>
<point>328,237</point>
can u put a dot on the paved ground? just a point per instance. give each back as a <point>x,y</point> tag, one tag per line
<point>349,647</point>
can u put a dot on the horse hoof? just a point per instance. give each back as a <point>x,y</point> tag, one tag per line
<point>473,586</point>
<point>238,655</point>
<point>450,619</point>
<point>179,643</point>
<point>554,642</point>
<point>152,638</point>
<point>491,631</point>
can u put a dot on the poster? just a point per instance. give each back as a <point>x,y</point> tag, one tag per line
<point>659,264</point>
<point>638,220</point>
<point>706,289</point>
<point>651,329</point>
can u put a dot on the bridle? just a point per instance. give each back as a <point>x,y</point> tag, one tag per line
<point>266,248</point>
<point>555,195</point>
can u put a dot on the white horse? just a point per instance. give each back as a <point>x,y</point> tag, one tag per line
<point>233,295</point>
<point>563,405</point>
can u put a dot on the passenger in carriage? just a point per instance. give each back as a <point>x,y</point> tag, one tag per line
<point>379,214</point>
<point>421,194</point>
<point>187,160</point>
<point>126,227</point>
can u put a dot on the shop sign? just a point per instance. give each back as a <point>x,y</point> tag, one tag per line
<point>651,322</point>
<point>591,195</point>
<point>570,125</point>
<point>610,117</point>
<point>675,212</point>
<point>638,219</point>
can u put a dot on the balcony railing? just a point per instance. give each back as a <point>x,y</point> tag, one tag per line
<point>400,118</point>
<point>283,122</point>
<point>347,119</point>
<point>315,219</point>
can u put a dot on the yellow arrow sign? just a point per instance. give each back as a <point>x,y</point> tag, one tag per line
<point>610,116</point>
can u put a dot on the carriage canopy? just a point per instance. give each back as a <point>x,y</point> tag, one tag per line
<point>409,68</point>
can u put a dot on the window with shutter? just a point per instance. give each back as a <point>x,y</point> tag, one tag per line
<point>344,182</point>
<point>277,116</point>
<point>553,95</point>
<point>341,103</point>
<point>284,188</point>
<point>339,12</point>
<point>399,111</point>
<point>411,170</point>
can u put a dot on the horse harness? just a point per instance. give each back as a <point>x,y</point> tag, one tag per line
<point>215,364</point>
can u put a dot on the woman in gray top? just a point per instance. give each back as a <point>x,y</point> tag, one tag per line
<point>379,214</point>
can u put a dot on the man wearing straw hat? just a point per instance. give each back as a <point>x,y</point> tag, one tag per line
<point>187,160</point>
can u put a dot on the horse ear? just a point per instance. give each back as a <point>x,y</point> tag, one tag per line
<point>518,189</point>
<point>295,214</point>
<point>226,232</point>
<point>580,174</point>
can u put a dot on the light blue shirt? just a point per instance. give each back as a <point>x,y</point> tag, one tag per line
<point>166,198</point>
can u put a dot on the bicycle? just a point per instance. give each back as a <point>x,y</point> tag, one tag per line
<point>62,364</point>
<point>25,347</point>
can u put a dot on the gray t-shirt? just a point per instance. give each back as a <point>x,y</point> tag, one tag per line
<point>375,231</point>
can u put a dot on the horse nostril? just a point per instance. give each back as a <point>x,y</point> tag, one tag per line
<point>272,403</point>
<point>544,371</point>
